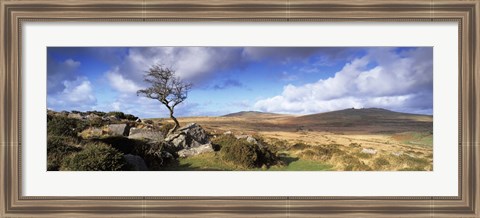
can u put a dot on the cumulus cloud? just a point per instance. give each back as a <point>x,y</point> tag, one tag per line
<point>121,84</point>
<point>195,64</point>
<point>200,64</point>
<point>398,81</point>
<point>57,72</point>
<point>77,93</point>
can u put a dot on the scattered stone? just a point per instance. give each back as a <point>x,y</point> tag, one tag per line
<point>138,133</point>
<point>138,120</point>
<point>369,151</point>
<point>118,129</point>
<point>136,161</point>
<point>398,153</point>
<point>188,152</point>
<point>228,133</point>
<point>249,138</point>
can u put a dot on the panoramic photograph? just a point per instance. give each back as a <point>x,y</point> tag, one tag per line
<point>239,108</point>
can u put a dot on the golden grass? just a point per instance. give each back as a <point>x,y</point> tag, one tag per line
<point>392,151</point>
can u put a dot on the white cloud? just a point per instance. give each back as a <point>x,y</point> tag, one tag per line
<point>77,93</point>
<point>191,63</point>
<point>398,81</point>
<point>121,84</point>
<point>58,72</point>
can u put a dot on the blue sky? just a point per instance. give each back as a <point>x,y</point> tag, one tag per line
<point>292,80</point>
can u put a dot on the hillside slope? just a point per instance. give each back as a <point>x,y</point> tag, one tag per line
<point>256,115</point>
<point>376,119</point>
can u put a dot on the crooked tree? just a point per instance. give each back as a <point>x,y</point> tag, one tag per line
<point>167,88</point>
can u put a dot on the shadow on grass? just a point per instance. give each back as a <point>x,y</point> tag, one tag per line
<point>287,160</point>
<point>177,166</point>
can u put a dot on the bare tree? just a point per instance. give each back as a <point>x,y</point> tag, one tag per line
<point>167,88</point>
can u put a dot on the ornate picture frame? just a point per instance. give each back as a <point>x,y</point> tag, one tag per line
<point>14,13</point>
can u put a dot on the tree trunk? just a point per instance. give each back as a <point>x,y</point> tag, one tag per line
<point>174,120</point>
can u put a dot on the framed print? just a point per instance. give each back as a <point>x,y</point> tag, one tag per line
<point>234,108</point>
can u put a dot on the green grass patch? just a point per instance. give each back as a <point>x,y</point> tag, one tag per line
<point>422,139</point>
<point>303,165</point>
<point>201,162</point>
<point>213,162</point>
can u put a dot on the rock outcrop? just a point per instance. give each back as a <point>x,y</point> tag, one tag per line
<point>138,133</point>
<point>189,136</point>
<point>118,129</point>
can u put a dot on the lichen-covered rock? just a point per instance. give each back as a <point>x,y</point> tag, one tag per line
<point>249,138</point>
<point>191,135</point>
<point>118,129</point>
<point>137,133</point>
<point>178,140</point>
<point>196,132</point>
<point>195,150</point>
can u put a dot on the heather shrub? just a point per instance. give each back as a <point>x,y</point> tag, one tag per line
<point>320,152</point>
<point>351,163</point>
<point>240,153</point>
<point>299,146</point>
<point>95,157</point>
<point>244,154</point>
<point>153,153</point>
<point>266,157</point>
<point>122,144</point>
<point>58,147</point>
<point>224,140</point>
<point>380,163</point>
<point>130,117</point>
<point>95,122</point>
<point>279,144</point>
<point>156,154</point>
<point>117,114</point>
<point>64,126</point>
<point>149,122</point>
<point>98,113</point>
<point>121,115</point>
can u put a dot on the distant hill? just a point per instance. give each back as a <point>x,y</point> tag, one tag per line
<point>253,114</point>
<point>377,118</point>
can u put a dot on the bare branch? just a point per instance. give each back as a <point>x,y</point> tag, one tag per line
<point>166,88</point>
